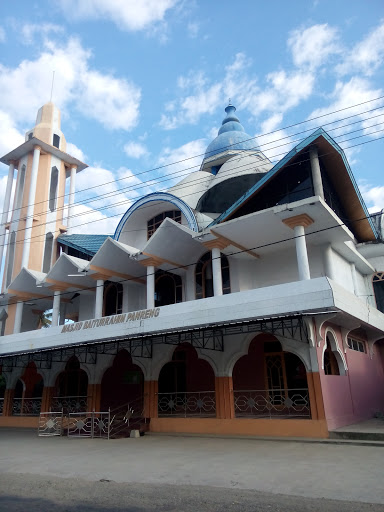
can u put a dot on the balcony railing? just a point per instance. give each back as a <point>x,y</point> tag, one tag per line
<point>272,403</point>
<point>187,404</point>
<point>26,406</point>
<point>1,405</point>
<point>69,404</point>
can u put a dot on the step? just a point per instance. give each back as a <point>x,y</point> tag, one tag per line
<point>356,436</point>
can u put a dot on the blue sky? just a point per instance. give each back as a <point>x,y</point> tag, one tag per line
<point>142,84</point>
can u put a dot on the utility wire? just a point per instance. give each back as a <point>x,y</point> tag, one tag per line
<point>235,253</point>
<point>167,178</point>
<point>236,144</point>
<point>182,196</point>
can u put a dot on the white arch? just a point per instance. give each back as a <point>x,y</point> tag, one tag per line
<point>340,358</point>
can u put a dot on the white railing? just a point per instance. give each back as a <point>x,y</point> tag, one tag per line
<point>89,424</point>
<point>268,403</point>
<point>26,406</point>
<point>187,404</point>
<point>69,404</point>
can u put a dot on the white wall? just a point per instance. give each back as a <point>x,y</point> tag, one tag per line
<point>87,306</point>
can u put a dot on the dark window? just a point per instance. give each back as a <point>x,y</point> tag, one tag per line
<point>113,298</point>
<point>56,141</point>
<point>357,345</point>
<point>378,289</point>
<point>204,278</point>
<point>30,135</point>
<point>11,257</point>
<point>293,183</point>
<point>155,222</point>
<point>168,288</point>
<point>47,252</point>
<point>20,188</point>
<point>332,198</point>
<point>53,188</point>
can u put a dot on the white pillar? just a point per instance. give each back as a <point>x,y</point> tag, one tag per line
<point>30,209</point>
<point>99,298</point>
<point>55,309</point>
<point>7,200</point>
<point>216,272</point>
<point>18,316</point>
<point>354,279</point>
<point>301,253</point>
<point>316,173</point>
<point>71,198</point>
<point>63,310</point>
<point>150,286</point>
<point>328,263</point>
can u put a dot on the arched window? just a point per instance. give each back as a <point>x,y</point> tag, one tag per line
<point>47,252</point>
<point>53,189</point>
<point>56,140</point>
<point>113,298</point>
<point>331,366</point>
<point>378,290</point>
<point>204,277</point>
<point>155,222</point>
<point>73,381</point>
<point>11,256</point>
<point>168,288</point>
<point>20,188</point>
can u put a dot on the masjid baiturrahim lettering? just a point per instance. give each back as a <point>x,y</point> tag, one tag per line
<point>247,299</point>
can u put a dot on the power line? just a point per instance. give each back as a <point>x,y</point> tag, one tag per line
<point>251,138</point>
<point>181,196</point>
<point>235,253</point>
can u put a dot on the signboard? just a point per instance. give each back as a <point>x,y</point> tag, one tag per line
<point>110,320</point>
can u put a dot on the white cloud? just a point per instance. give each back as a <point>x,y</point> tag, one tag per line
<point>135,149</point>
<point>366,56</point>
<point>105,193</point>
<point>2,35</point>
<point>313,46</point>
<point>181,161</point>
<point>193,30</point>
<point>346,94</point>
<point>10,136</point>
<point>130,15</point>
<point>373,196</point>
<point>92,222</point>
<point>114,102</point>
<point>30,30</point>
<point>73,150</point>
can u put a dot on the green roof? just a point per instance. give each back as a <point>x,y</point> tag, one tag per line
<point>88,244</point>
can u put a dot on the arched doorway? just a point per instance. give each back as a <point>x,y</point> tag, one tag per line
<point>186,385</point>
<point>269,382</point>
<point>113,298</point>
<point>168,288</point>
<point>122,384</point>
<point>71,388</point>
<point>28,392</point>
<point>204,276</point>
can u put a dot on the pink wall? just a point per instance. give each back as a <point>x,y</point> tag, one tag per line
<point>359,394</point>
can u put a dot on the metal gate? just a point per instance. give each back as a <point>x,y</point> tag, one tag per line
<point>50,424</point>
<point>89,424</point>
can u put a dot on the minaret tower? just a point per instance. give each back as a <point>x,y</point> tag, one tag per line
<point>34,217</point>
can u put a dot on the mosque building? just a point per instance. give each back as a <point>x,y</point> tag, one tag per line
<point>248,299</point>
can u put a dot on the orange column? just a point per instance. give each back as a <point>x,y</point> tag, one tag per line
<point>94,397</point>
<point>8,402</point>
<point>225,407</point>
<point>315,396</point>
<point>150,398</point>
<point>46,398</point>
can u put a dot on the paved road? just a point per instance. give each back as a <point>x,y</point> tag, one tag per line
<point>157,473</point>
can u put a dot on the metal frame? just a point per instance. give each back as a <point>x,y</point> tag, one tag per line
<point>209,337</point>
